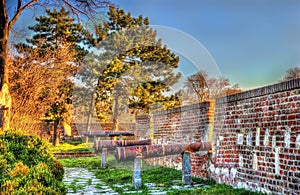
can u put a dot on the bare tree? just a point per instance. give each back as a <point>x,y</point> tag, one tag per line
<point>200,87</point>
<point>292,73</point>
<point>197,87</point>
<point>78,7</point>
<point>35,80</point>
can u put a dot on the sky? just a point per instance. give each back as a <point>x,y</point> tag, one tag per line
<point>252,42</point>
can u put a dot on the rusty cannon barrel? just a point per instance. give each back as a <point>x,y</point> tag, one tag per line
<point>108,133</point>
<point>112,144</point>
<point>151,151</point>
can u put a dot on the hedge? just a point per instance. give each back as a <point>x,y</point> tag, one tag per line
<point>27,166</point>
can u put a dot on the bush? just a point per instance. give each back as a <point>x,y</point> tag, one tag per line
<point>28,167</point>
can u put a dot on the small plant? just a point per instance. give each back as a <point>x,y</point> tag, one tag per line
<point>89,182</point>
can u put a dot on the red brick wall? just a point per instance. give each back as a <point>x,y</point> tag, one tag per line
<point>180,125</point>
<point>266,121</point>
<point>142,127</point>
<point>256,137</point>
<point>82,127</point>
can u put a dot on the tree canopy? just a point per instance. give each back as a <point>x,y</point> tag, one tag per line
<point>292,73</point>
<point>50,59</point>
<point>134,69</point>
<point>88,8</point>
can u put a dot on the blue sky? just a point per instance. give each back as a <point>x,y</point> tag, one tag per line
<point>253,42</point>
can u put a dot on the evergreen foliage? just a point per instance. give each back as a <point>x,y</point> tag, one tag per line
<point>27,166</point>
<point>56,29</point>
<point>135,69</point>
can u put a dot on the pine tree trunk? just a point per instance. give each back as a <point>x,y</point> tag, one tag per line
<point>56,133</point>
<point>88,129</point>
<point>116,109</point>
<point>5,98</point>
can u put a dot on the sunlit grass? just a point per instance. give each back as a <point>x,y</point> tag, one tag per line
<point>82,162</point>
<point>66,147</point>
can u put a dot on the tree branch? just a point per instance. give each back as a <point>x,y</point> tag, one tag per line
<point>19,11</point>
<point>19,4</point>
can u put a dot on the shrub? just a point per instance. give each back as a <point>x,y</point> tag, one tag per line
<point>28,167</point>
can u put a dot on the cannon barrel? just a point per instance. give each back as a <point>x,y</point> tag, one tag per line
<point>108,133</point>
<point>151,151</point>
<point>111,144</point>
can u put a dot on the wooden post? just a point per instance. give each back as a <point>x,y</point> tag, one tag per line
<point>137,172</point>
<point>103,158</point>
<point>186,168</point>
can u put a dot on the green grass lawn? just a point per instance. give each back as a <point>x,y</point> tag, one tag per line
<point>67,147</point>
<point>121,173</point>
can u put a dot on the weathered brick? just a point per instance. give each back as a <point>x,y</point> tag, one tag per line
<point>273,107</point>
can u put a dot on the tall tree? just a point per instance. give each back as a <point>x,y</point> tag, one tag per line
<point>133,67</point>
<point>7,22</point>
<point>292,73</point>
<point>197,88</point>
<point>55,33</point>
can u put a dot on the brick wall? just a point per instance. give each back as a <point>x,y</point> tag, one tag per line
<point>257,139</point>
<point>142,127</point>
<point>180,125</point>
<point>80,128</point>
<point>255,135</point>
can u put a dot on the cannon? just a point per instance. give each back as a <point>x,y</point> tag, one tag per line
<point>111,144</point>
<point>136,153</point>
<point>151,151</point>
<point>110,134</point>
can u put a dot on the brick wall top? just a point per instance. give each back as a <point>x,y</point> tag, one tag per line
<point>275,88</point>
<point>182,109</point>
<point>140,117</point>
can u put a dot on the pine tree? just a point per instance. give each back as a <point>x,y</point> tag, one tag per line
<point>134,67</point>
<point>56,29</point>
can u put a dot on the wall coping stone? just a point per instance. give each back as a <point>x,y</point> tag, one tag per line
<point>140,117</point>
<point>266,90</point>
<point>182,109</point>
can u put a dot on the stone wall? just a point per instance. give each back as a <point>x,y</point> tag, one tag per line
<point>255,136</point>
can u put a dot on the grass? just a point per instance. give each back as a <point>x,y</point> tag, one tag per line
<point>90,163</point>
<point>74,186</point>
<point>121,173</point>
<point>68,147</point>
